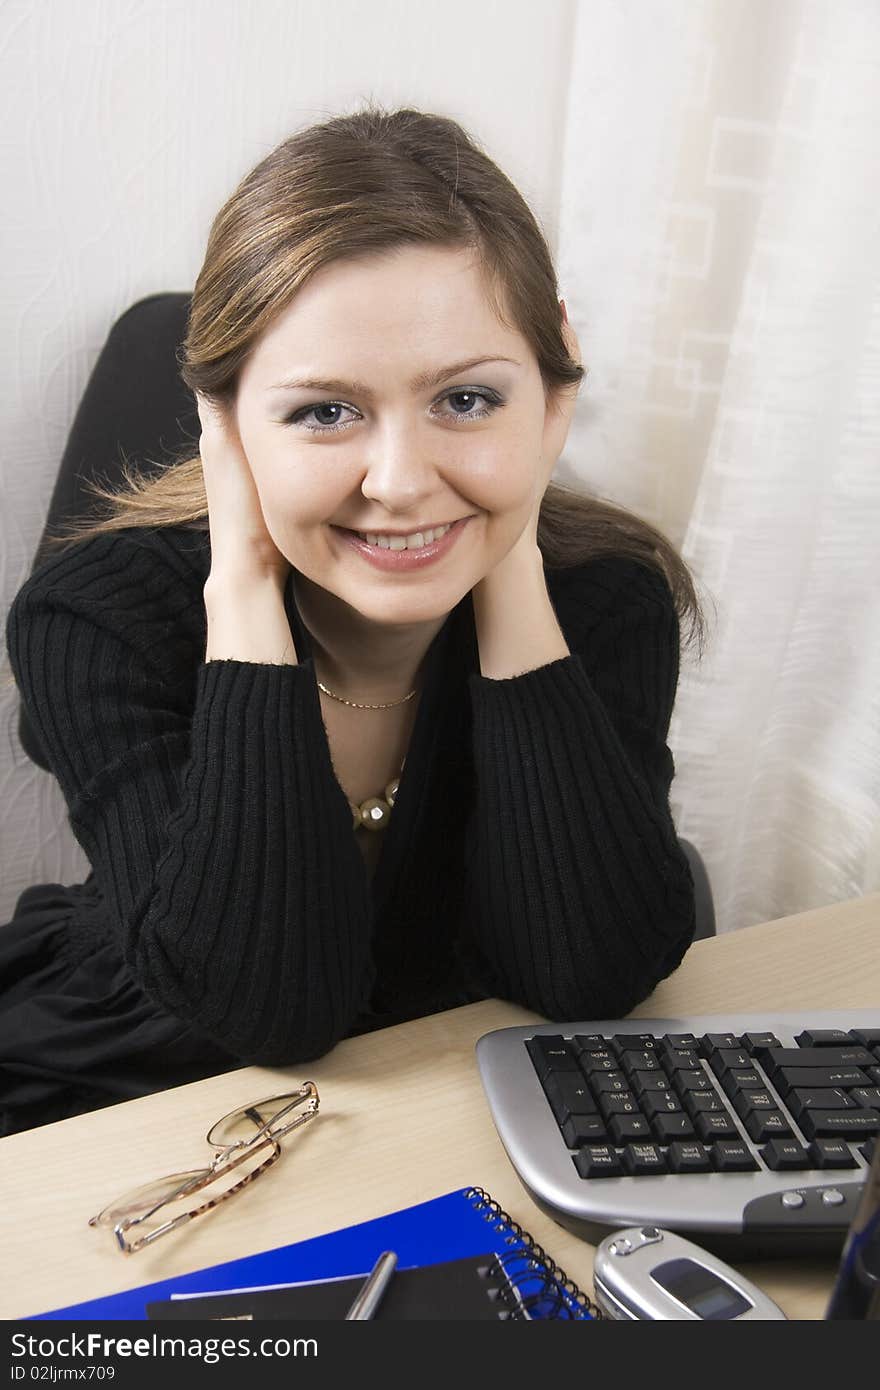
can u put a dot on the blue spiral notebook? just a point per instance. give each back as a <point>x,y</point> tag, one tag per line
<point>458,1256</point>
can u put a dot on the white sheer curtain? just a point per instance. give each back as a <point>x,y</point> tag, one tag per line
<point>719,252</point>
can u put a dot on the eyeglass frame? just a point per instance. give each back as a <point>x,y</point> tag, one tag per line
<point>220,1163</point>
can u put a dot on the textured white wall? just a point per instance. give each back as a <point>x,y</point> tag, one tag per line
<point>126,124</point>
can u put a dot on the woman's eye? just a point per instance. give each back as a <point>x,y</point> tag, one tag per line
<point>465,398</point>
<point>316,410</point>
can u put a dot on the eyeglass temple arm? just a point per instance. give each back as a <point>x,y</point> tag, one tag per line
<point>123,1227</point>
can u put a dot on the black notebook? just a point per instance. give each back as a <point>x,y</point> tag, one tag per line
<point>475,1289</point>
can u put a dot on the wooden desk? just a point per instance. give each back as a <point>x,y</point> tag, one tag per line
<point>403,1118</point>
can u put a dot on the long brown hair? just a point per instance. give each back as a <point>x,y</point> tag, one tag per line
<point>352,186</point>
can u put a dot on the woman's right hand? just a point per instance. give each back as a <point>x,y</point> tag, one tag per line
<point>242,550</point>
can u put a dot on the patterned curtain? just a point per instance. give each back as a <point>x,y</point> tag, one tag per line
<point>719,253</point>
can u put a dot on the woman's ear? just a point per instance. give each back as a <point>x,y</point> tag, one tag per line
<point>557,422</point>
<point>567,395</point>
<point>571,338</point>
<point>563,399</point>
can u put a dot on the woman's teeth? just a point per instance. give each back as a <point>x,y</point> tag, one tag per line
<point>413,542</point>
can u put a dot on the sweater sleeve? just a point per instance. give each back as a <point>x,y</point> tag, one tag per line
<point>580,898</point>
<point>207,806</point>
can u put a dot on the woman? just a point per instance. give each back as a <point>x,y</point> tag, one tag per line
<point>356,715</point>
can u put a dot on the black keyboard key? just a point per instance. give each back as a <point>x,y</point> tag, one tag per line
<point>849,1124</point>
<point>618,1103</point>
<point>824,1099</point>
<point>551,1053</point>
<point>729,1059</point>
<point>644,1061</point>
<point>624,1128</point>
<point>733,1156</point>
<point>598,1161</point>
<point>734,1081</point>
<point>767,1124</point>
<point>643,1158</point>
<point>702,1102</point>
<point>715,1040</point>
<point>774,1058</point>
<point>584,1129</point>
<point>604,1081</point>
<point>808,1078</point>
<point>643,1082</point>
<point>660,1103</point>
<point>681,1059</point>
<point>635,1042</point>
<point>690,1157</point>
<point>781,1154</point>
<point>868,1037</point>
<point>744,1102</point>
<point>568,1094</point>
<point>831,1153</point>
<point>751,1041</point>
<point>824,1037</point>
<point>868,1096</point>
<point>674,1041</point>
<point>715,1127</point>
<point>593,1062</point>
<point>668,1128</point>
<point>684,1081</point>
<point>590,1042</point>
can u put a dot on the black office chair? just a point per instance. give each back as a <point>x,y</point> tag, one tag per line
<point>135,406</point>
<point>702,892</point>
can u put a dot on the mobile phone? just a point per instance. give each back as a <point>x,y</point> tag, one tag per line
<point>645,1272</point>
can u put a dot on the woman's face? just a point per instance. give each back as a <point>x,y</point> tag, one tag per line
<point>377,452</point>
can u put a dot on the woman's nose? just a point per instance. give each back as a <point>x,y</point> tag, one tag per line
<point>400,469</point>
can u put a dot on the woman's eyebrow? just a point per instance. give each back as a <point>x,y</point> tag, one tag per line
<point>359,388</point>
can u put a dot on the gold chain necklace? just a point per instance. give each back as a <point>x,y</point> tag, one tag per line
<point>375,812</point>
<point>355,705</point>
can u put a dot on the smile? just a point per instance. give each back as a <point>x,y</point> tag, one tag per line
<point>402,553</point>
<point>415,541</point>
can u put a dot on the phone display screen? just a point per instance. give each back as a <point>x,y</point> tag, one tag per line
<point>700,1290</point>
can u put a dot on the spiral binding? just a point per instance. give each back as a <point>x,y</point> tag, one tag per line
<point>558,1296</point>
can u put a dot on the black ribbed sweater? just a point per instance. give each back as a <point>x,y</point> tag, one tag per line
<point>531,854</point>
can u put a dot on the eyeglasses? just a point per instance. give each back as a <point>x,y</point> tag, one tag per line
<point>245,1144</point>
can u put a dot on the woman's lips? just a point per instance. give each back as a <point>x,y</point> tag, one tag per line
<point>401,561</point>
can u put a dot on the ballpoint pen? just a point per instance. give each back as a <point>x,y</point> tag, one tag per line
<point>369,1296</point>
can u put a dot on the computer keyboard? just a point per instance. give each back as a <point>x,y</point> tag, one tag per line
<point>747,1132</point>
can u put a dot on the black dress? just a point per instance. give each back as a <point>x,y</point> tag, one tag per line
<point>76,1030</point>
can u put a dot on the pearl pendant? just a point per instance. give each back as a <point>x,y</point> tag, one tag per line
<point>375,812</point>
